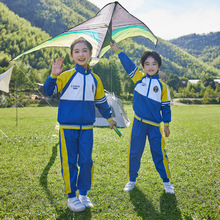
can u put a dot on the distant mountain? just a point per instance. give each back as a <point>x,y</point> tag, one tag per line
<point>204,47</point>
<point>182,62</point>
<point>53,16</point>
<point>17,34</point>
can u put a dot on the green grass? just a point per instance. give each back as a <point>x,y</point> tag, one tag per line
<point>31,186</point>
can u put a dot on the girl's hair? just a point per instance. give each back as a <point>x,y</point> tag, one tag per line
<point>81,40</point>
<point>153,54</point>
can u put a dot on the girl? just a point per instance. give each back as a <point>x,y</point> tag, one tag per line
<point>80,91</point>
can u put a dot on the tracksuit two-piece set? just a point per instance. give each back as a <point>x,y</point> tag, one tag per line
<point>151,105</point>
<point>81,90</point>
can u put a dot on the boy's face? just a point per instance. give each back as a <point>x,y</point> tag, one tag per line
<point>81,54</point>
<point>151,66</point>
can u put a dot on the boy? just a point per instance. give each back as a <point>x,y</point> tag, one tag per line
<point>80,91</point>
<point>151,98</point>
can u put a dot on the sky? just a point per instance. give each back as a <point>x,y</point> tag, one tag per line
<point>170,19</point>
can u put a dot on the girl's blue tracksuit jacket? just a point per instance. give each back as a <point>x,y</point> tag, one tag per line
<point>81,90</point>
<point>151,104</point>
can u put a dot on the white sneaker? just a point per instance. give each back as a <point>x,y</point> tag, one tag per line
<point>168,187</point>
<point>85,201</point>
<point>129,186</point>
<point>75,205</point>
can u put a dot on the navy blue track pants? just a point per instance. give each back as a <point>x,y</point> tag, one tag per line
<point>76,151</point>
<point>140,131</point>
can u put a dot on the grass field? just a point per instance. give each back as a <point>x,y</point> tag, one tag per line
<point>31,186</point>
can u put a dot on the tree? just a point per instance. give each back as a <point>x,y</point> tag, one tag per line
<point>207,80</point>
<point>128,86</point>
<point>108,71</point>
<point>172,94</point>
<point>163,76</point>
<point>4,62</point>
<point>198,87</point>
<point>115,79</point>
<point>174,82</point>
<point>205,98</point>
<point>183,81</point>
<point>209,90</point>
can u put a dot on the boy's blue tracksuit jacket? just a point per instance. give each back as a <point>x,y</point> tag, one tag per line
<point>151,104</point>
<point>80,91</point>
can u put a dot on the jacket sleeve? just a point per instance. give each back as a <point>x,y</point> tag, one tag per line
<point>165,105</point>
<point>55,84</point>
<point>131,69</point>
<point>50,86</point>
<point>101,101</point>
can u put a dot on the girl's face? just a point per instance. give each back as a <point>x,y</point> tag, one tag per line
<point>81,54</point>
<point>151,66</point>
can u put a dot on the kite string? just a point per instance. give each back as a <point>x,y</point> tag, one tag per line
<point>111,79</point>
<point>29,111</point>
<point>37,90</point>
<point>3,133</point>
<point>17,100</point>
<point>33,85</point>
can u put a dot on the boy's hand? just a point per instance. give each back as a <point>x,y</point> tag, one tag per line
<point>112,123</point>
<point>166,131</point>
<point>57,67</point>
<point>114,46</point>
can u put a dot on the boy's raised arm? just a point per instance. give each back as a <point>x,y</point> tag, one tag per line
<point>129,66</point>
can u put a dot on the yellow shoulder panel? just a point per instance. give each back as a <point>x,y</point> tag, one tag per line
<point>165,96</point>
<point>63,78</point>
<point>100,89</point>
<point>138,76</point>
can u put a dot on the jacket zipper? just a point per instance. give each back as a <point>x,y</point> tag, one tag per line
<point>84,89</point>
<point>149,87</point>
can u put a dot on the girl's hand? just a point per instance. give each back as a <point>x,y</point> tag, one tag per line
<point>114,46</point>
<point>112,123</point>
<point>57,67</point>
<point>166,131</point>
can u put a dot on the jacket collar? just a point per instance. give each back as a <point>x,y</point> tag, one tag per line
<point>156,76</point>
<point>82,69</point>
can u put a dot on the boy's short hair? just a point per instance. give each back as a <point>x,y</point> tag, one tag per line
<point>81,40</point>
<point>153,54</point>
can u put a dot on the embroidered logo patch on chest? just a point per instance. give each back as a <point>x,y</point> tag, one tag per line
<point>155,89</point>
<point>75,86</point>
